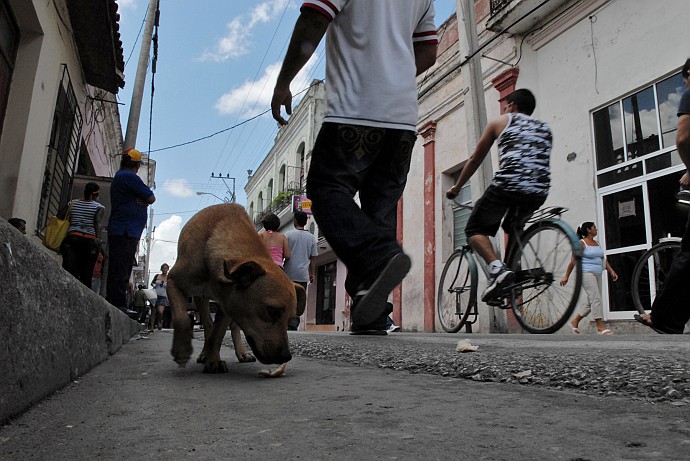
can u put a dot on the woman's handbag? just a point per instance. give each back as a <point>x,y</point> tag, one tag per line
<point>56,230</point>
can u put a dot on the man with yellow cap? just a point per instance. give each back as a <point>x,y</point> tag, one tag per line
<point>129,199</point>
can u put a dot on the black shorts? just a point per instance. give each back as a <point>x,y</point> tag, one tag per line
<point>495,204</point>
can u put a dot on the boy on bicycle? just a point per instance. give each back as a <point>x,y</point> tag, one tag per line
<point>519,187</point>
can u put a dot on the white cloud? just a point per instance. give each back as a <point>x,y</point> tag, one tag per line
<point>178,188</point>
<point>252,98</point>
<point>126,3</point>
<point>236,41</point>
<point>164,248</point>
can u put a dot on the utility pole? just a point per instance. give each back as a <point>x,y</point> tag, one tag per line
<point>229,191</point>
<point>149,239</point>
<point>475,106</point>
<point>475,115</point>
<point>140,79</point>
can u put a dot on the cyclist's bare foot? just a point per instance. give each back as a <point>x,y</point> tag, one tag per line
<point>574,327</point>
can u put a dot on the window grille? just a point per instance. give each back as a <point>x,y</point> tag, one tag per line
<point>63,150</point>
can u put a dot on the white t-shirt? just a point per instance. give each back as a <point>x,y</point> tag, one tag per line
<point>302,248</point>
<point>370,63</point>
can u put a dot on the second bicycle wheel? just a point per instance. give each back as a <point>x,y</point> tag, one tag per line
<point>457,291</point>
<point>540,303</point>
<point>650,273</point>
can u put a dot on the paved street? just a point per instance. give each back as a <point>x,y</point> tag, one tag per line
<point>405,396</point>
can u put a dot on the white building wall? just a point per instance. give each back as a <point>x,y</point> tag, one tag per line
<point>585,56</point>
<point>46,47</point>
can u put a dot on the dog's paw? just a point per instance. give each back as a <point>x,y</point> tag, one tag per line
<point>216,367</point>
<point>246,357</point>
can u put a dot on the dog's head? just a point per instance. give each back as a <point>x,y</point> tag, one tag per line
<point>262,299</point>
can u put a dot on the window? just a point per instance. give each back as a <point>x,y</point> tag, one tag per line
<point>638,169</point>
<point>63,149</point>
<point>281,179</point>
<point>640,125</point>
<point>460,215</point>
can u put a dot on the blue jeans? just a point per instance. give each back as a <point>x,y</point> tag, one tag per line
<point>374,162</point>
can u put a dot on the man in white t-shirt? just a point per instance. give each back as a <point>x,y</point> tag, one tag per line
<point>300,266</point>
<point>374,51</point>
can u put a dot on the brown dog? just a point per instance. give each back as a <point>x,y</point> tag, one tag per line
<point>220,255</point>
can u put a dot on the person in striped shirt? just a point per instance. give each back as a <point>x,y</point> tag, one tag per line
<point>374,51</point>
<point>80,248</point>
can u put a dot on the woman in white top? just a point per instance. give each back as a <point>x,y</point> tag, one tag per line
<point>593,264</point>
<point>81,246</point>
<point>160,283</point>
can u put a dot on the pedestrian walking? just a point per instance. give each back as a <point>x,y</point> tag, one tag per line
<point>594,262</point>
<point>275,241</point>
<point>671,309</point>
<point>374,50</point>
<point>159,318</point>
<point>80,247</point>
<point>129,199</point>
<point>300,267</point>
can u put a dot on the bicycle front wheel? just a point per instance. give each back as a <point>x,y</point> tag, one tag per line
<point>457,291</point>
<point>650,273</point>
<point>540,303</point>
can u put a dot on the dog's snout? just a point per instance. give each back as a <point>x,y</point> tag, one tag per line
<point>284,357</point>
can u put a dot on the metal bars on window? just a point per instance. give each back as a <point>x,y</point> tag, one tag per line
<point>63,150</point>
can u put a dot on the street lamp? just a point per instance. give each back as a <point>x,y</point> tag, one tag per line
<point>224,200</point>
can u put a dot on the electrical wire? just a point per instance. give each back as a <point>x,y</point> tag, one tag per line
<point>218,132</point>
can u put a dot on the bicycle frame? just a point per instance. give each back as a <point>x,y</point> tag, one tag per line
<point>525,279</point>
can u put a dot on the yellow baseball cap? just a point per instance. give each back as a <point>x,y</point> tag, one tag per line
<point>133,154</point>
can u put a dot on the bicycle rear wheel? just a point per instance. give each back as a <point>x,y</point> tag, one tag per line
<point>457,291</point>
<point>650,273</point>
<point>540,303</point>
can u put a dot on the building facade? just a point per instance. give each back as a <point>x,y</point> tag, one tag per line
<point>61,65</point>
<point>606,75</point>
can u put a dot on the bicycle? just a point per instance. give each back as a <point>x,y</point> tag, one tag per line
<point>651,270</point>
<point>539,257</point>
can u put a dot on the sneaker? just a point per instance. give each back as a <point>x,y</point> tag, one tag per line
<point>498,282</point>
<point>393,329</point>
<point>372,303</point>
<point>378,327</point>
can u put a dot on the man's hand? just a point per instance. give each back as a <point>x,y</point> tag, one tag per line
<point>281,97</point>
<point>685,180</point>
<point>452,192</point>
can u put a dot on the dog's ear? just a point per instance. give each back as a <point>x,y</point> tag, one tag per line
<point>242,273</point>
<point>301,298</point>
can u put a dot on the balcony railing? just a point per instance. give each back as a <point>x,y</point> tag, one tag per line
<point>498,5</point>
<point>279,204</point>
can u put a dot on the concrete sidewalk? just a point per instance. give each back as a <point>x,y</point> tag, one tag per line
<point>138,403</point>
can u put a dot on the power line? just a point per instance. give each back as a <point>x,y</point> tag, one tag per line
<point>220,131</point>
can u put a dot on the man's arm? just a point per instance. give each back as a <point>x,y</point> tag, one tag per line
<point>424,56</point>
<point>309,30</point>
<point>491,133</point>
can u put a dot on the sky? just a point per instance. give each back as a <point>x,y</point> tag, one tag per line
<point>217,64</point>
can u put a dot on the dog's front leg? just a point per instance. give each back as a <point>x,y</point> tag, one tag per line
<point>243,354</point>
<point>182,334</point>
<point>210,356</point>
